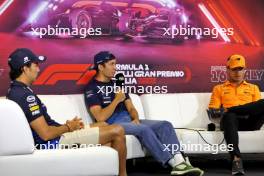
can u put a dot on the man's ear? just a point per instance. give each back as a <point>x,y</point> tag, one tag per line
<point>23,69</point>
<point>100,67</point>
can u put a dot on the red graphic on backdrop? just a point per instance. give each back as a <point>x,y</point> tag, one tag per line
<point>59,72</point>
<point>82,75</point>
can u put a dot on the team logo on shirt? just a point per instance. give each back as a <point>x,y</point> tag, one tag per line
<point>31,99</point>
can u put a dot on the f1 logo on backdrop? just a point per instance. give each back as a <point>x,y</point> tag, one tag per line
<point>82,75</point>
<point>62,72</point>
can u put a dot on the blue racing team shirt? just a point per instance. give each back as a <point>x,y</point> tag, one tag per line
<point>99,93</point>
<point>32,107</point>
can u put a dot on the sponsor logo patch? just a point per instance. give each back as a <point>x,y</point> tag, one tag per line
<point>107,102</point>
<point>31,99</point>
<point>32,104</point>
<point>89,93</point>
<point>34,108</point>
<point>35,112</point>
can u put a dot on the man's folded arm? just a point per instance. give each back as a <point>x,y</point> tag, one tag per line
<point>102,114</point>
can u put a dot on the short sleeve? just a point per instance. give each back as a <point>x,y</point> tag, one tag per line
<point>31,106</point>
<point>91,98</point>
<point>215,101</point>
<point>256,95</point>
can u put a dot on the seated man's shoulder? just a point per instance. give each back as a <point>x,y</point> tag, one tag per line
<point>27,100</point>
<point>90,89</point>
<point>252,85</point>
<point>91,85</point>
<point>18,93</point>
<point>220,86</point>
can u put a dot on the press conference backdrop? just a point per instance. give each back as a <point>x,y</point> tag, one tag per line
<point>160,47</point>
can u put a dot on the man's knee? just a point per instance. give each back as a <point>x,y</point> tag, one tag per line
<point>229,118</point>
<point>118,130</point>
<point>145,130</point>
<point>166,124</point>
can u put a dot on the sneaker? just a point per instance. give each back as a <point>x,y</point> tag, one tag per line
<point>237,168</point>
<point>187,161</point>
<point>184,168</point>
<point>189,164</point>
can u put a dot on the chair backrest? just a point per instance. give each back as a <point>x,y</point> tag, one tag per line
<point>138,105</point>
<point>66,107</point>
<point>183,110</point>
<point>15,134</point>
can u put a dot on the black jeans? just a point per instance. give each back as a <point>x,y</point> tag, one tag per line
<point>248,117</point>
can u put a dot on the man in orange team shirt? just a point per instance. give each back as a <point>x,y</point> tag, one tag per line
<point>244,110</point>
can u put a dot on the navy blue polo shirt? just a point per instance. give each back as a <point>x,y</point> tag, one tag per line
<point>32,107</point>
<point>96,94</point>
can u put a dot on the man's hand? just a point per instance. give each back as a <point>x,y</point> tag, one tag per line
<point>120,96</point>
<point>136,121</point>
<point>75,124</point>
<point>215,114</point>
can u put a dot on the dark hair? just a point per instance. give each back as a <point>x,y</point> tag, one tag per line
<point>15,73</point>
<point>103,64</point>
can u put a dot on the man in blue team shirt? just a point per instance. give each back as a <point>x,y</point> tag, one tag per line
<point>24,70</point>
<point>117,108</point>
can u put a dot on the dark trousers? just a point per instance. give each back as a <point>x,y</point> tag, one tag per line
<point>248,117</point>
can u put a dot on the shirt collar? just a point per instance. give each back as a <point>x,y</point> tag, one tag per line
<point>228,83</point>
<point>21,84</point>
<point>100,82</point>
<point>18,83</point>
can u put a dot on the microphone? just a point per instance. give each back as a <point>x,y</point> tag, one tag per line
<point>120,79</point>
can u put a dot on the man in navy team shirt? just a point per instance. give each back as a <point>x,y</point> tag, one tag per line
<point>117,108</point>
<point>24,70</point>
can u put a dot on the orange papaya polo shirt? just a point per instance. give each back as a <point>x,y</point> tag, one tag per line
<point>228,95</point>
